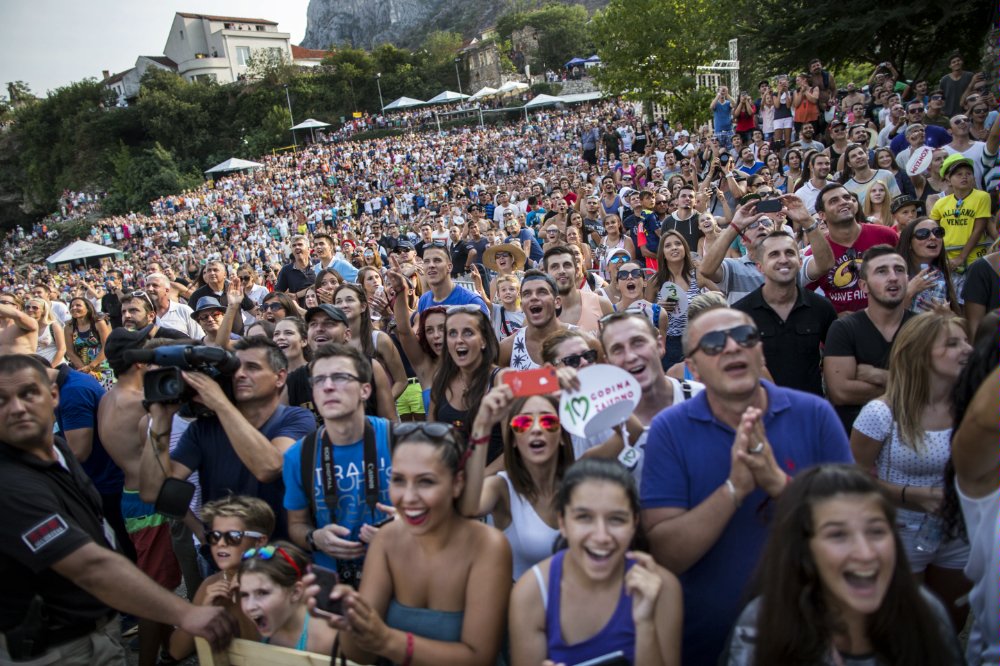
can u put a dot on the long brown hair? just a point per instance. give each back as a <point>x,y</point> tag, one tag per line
<point>902,631</point>
<point>663,273</point>
<point>448,370</point>
<point>520,478</point>
<point>908,387</point>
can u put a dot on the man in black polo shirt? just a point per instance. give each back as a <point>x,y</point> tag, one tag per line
<point>111,303</point>
<point>62,576</point>
<point>297,275</point>
<point>792,321</point>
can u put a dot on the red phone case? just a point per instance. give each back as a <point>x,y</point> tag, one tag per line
<point>540,381</point>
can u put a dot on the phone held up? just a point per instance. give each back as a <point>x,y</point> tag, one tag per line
<point>326,579</point>
<point>523,383</point>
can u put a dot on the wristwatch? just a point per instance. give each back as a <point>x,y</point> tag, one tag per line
<point>310,541</point>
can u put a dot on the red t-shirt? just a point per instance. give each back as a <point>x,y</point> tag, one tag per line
<point>840,284</point>
<point>745,121</point>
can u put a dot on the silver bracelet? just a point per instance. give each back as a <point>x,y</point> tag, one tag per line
<point>732,491</point>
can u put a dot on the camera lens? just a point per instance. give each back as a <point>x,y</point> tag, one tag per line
<point>170,386</point>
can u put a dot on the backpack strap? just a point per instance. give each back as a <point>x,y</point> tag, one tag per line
<point>307,460</point>
<point>687,390</point>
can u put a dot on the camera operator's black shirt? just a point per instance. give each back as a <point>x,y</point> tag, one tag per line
<point>49,512</point>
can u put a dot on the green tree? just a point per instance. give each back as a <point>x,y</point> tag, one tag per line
<point>563,33</point>
<point>649,49</point>
<point>144,176</point>
<point>916,36</point>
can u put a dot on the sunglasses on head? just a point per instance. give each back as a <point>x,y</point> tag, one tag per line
<point>619,259</point>
<point>231,537</point>
<point>268,553</point>
<point>712,344</point>
<point>463,309</point>
<point>573,360</point>
<point>434,430</point>
<point>924,234</point>
<point>524,422</point>
<point>635,274</point>
<point>144,296</point>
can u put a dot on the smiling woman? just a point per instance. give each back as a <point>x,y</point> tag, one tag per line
<point>835,565</point>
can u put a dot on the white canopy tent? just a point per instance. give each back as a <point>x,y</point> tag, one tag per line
<point>402,103</point>
<point>234,164</point>
<point>447,97</point>
<point>81,250</point>
<point>483,92</point>
<point>582,97</point>
<point>310,124</point>
<point>543,100</point>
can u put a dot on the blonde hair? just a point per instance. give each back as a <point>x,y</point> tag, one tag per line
<point>513,279</point>
<point>46,317</point>
<point>908,388</point>
<point>883,211</point>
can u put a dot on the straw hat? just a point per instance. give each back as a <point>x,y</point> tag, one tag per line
<point>490,256</point>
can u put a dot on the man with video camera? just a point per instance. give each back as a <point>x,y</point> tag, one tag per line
<point>238,451</point>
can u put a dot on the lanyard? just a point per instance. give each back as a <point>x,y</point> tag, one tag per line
<point>328,475</point>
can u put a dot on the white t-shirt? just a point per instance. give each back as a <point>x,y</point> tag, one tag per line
<point>982,522</point>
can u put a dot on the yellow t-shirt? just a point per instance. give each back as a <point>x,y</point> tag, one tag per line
<point>957,222</point>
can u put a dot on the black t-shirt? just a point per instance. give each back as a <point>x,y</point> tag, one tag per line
<point>792,346</point>
<point>982,285</point>
<point>855,335</point>
<point>50,511</point>
<point>459,256</point>
<point>639,142</point>
<point>687,228</point>
<point>112,306</point>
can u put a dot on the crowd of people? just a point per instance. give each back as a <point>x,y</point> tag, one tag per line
<point>298,395</point>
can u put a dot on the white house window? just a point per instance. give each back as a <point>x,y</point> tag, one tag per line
<point>242,55</point>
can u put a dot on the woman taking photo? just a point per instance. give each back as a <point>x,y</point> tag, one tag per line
<point>675,271</point>
<point>599,596</point>
<point>921,244</point>
<point>291,337</point>
<point>536,454</point>
<point>833,585</point>
<point>435,586</point>
<point>364,336</point>
<point>903,438</point>
<point>85,335</point>
<point>273,596</point>
<point>51,336</point>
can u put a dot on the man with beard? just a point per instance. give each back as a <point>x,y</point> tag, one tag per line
<point>539,303</point>
<point>793,321</point>
<point>297,275</point>
<point>807,138</point>
<point>137,314</point>
<point>582,309</point>
<point>858,346</point>
<point>819,170</point>
<point>847,239</point>
<point>822,79</point>
<point>864,177</point>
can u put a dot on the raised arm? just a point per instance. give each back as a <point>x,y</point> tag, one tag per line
<point>480,496</point>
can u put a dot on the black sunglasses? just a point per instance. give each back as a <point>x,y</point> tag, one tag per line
<point>924,234</point>
<point>712,344</point>
<point>635,274</point>
<point>573,360</point>
<point>231,537</point>
<point>273,306</point>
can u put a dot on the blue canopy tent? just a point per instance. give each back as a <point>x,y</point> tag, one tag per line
<point>574,62</point>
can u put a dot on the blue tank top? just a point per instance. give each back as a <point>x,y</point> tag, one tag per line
<point>617,634</point>
<point>424,622</point>
<point>426,393</point>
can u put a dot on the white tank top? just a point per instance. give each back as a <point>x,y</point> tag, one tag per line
<point>520,359</point>
<point>531,540</point>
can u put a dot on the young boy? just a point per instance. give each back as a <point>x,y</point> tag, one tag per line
<point>964,214</point>
<point>235,525</point>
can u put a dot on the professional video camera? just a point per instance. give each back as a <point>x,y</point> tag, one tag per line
<point>166,385</point>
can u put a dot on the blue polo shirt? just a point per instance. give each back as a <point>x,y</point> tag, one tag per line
<point>688,454</point>
<point>458,296</point>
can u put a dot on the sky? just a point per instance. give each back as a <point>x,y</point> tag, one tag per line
<point>51,43</point>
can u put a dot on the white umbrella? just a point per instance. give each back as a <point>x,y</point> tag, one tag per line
<point>512,86</point>
<point>234,164</point>
<point>447,96</point>
<point>484,92</point>
<point>543,100</point>
<point>310,124</point>
<point>403,103</point>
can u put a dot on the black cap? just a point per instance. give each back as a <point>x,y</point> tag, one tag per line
<point>904,200</point>
<point>405,245</point>
<point>331,311</point>
<point>121,340</point>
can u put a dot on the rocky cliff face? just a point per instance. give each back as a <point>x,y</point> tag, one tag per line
<point>368,23</point>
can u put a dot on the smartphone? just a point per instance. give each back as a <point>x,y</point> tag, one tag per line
<point>327,579</point>
<point>769,206</point>
<point>383,523</point>
<point>616,658</point>
<point>540,381</point>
